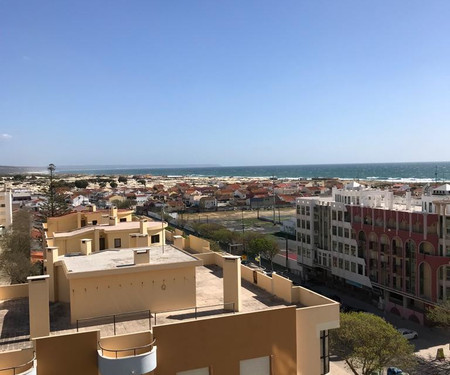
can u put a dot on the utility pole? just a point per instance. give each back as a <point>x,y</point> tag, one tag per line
<point>162,228</point>
<point>51,168</point>
<point>243,230</point>
<point>274,198</point>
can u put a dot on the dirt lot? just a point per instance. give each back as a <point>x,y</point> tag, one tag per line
<point>233,220</point>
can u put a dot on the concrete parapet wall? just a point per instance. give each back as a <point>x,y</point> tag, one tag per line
<point>282,287</point>
<point>16,358</point>
<point>71,354</point>
<point>127,341</point>
<point>208,258</point>
<point>198,244</point>
<point>13,291</point>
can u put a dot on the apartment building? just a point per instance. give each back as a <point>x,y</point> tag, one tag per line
<point>5,208</point>
<point>396,248</point>
<point>207,313</point>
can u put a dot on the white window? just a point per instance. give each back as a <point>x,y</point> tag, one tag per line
<point>255,366</point>
<point>198,371</point>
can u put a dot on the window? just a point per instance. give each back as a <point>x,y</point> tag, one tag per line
<point>339,215</point>
<point>346,248</point>
<point>353,250</point>
<point>307,211</point>
<point>360,269</point>
<point>155,238</point>
<point>324,353</point>
<point>340,231</point>
<point>346,233</point>
<point>347,265</point>
<point>341,263</point>
<point>123,219</point>
<point>340,246</point>
<point>260,366</point>
<point>117,242</point>
<point>334,230</point>
<point>333,215</point>
<point>199,371</point>
<point>353,265</point>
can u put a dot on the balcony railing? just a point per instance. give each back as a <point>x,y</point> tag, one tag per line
<point>22,369</point>
<point>136,360</point>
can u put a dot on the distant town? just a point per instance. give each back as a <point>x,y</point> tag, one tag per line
<point>364,245</point>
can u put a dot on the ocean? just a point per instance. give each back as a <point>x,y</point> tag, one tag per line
<point>394,172</point>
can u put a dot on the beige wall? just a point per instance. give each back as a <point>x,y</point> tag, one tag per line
<point>158,290</point>
<point>222,342</point>
<point>310,321</point>
<point>16,358</point>
<point>38,302</point>
<point>198,244</point>
<point>127,341</point>
<point>62,287</point>
<point>13,291</point>
<point>72,354</point>
<point>282,287</point>
<point>207,258</point>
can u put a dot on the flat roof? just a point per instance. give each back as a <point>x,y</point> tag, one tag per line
<point>120,258</point>
<point>126,225</point>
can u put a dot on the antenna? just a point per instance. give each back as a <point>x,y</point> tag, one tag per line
<point>435,174</point>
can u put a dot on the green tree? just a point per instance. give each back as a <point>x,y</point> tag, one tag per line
<point>440,314</point>
<point>113,184</point>
<point>55,203</point>
<point>265,246</point>
<point>122,179</point>
<point>15,249</point>
<point>81,184</point>
<point>126,204</point>
<point>368,343</point>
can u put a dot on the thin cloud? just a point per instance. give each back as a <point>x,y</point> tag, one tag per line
<point>5,137</point>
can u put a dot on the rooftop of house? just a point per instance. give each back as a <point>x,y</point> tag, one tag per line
<point>124,258</point>
<point>126,225</point>
<point>14,319</point>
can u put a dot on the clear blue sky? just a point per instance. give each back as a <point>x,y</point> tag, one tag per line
<point>230,82</point>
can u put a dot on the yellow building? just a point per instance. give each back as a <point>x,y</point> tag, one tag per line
<point>204,312</point>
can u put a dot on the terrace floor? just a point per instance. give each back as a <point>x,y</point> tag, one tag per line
<point>14,319</point>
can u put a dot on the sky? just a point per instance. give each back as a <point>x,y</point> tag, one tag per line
<point>224,82</point>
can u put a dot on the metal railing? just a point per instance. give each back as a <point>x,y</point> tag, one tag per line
<point>196,310</point>
<point>133,350</point>
<point>17,369</point>
<point>116,318</point>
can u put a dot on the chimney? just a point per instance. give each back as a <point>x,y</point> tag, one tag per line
<point>143,227</point>
<point>178,242</point>
<point>232,283</point>
<point>93,208</point>
<point>38,301</point>
<point>141,256</point>
<point>86,246</point>
<point>113,211</point>
<point>112,220</point>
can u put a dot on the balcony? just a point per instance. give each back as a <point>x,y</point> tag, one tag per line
<point>136,360</point>
<point>19,362</point>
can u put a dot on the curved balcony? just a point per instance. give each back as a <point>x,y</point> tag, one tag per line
<point>26,368</point>
<point>137,360</point>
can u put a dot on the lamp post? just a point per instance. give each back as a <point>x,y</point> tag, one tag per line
<point>274,198</point>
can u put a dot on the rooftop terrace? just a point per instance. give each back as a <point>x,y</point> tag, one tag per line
<point>14,320</point>
<point>117,258</point>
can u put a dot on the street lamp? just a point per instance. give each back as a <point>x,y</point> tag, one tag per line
<point>274,199</point>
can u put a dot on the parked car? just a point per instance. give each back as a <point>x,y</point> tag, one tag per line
<point>408,334</point>
<point>395,371</point>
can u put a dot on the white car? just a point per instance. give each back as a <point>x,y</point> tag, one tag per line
<point>408,334</point>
